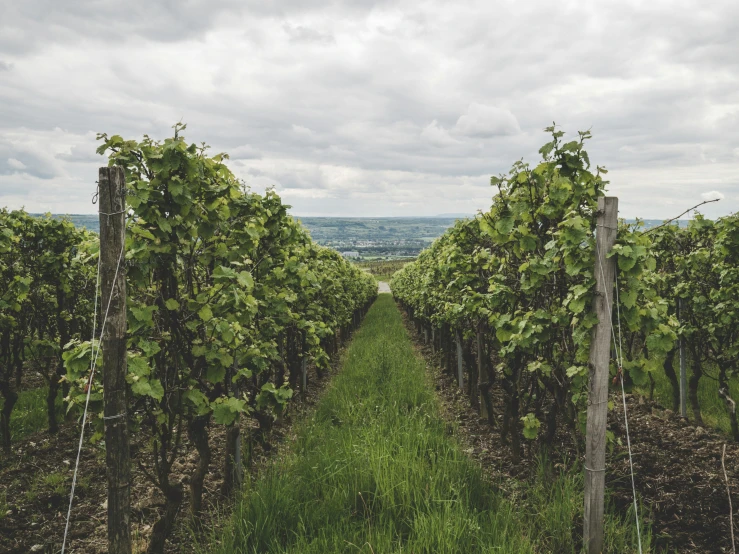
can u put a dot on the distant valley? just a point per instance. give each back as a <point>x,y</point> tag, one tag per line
<point>364,237</point>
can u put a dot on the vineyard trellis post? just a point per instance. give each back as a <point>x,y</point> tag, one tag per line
<point>112,214</point>
<point>481,379</point>
<point>303,365</point>
<point>683,368</point>
<point>460,360</point>
<point>595,446</point>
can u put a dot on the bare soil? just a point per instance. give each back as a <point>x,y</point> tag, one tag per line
<point>677,467</point>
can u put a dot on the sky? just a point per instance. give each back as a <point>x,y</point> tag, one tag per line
<point>376,108</point>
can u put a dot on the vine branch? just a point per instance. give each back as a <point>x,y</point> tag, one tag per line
<point>679,216</point>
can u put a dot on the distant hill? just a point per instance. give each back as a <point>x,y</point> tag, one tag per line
<point>371,237</point>
<point>458,216</point>
<point>88,221</point>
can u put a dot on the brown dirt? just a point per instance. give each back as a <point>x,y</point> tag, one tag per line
<point>35,480</point>
<point>677,467</point>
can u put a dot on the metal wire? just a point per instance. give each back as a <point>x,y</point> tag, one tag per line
<point>93,365</point>
<point>617,345</point>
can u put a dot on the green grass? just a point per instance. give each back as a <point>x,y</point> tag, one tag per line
<point>376,470</point>
<point>713,407</point>
<point>29,413</point>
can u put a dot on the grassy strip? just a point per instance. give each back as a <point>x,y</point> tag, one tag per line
<point>375,470</point>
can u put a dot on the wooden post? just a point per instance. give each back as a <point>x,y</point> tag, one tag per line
<point>683,368</point>
<point>303,366</point>
<point>112,213</point>
<point>480,370</point>
<point>595,446</point>
<point>460,361</point>
<point>433,339</point>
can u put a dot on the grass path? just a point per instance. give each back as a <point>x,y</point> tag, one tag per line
<point>376,470</point>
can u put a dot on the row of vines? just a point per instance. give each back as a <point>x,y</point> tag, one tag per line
<point>228,300</point>
<point>506,297</point>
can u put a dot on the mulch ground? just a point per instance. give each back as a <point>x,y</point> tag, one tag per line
<point>35,481</point>
<point>677,467</point>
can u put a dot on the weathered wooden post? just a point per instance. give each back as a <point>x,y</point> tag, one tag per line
<point>481,378</point>
<point>303,366</point>
<point>233,469</point>
<point>112,214</point>
<point>683,368</point>
<point>460,360</point>
<point>595,447</point>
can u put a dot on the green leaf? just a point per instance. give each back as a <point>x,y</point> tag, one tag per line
<point>172,304</point>
<point>215,374</point>
<point>638,376</point>
<point>205,313</point>
<point>576,370</point>
<point>199,350</point>
<point>577,305</point>
<point>626,264</point>
<point>146,387</point>
<point>531,426</point>
<point>504,225</point>
<point>226,412</point>
<point>628,298</point>
<point>503,334</point>
<point>138,366</point>
<point>245,279</point>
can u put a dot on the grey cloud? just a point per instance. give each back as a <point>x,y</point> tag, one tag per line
<point>81,154</point>
<point>17,161</point>
<point>419,99</point>
<point>5,66</point>
<point>32,23</point>
<point>300,33</point>
<point>244,152</point>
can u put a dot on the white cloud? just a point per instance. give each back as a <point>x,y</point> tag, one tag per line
<point>487,121</point>
<point>436,135</point>
<point>713,195</point>
<point>16,164</point>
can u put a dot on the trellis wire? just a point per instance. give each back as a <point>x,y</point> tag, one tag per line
<point>93,365</point>
<point>620,353</point>
<point>617,345</point>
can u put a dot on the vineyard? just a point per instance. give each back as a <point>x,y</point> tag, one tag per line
<point>228,301</point>
<point>229,328</point>
<point>383,270</point>
<point>506,299</point>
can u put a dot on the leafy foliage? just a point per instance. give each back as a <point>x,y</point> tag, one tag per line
<point>523,275</point>
<point>699,266</point>
<point>46,288</point>
<point>227,295</point>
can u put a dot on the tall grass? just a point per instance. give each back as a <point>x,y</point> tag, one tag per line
<point>375,470</point>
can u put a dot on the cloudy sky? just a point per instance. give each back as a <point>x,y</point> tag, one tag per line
<point>375,108</point>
